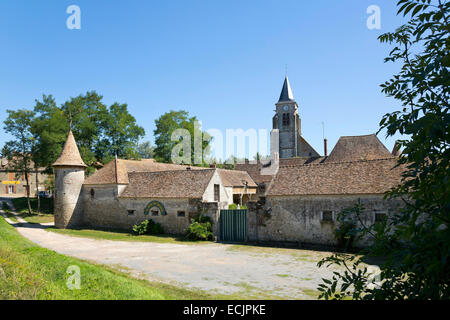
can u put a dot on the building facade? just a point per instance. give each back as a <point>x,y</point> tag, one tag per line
<point>294,197</point>
<point>13,183</point>
<point>126,192</point>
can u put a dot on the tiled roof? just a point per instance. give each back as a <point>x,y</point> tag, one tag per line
<point>355,177</point>
<point>11,165</point>
<point>70,156</point>
<point>235,178</point>
<point>254,170</point>
<point>355,148</point>
<point>300,161</point>
<point>117,171</point>
<point>168,184</point>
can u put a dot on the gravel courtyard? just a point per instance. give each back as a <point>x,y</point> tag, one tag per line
<point>253,272</point>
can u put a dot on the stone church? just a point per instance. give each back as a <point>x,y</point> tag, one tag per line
<point>293,197</point>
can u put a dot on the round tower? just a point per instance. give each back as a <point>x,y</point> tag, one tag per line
<point>69,179</point>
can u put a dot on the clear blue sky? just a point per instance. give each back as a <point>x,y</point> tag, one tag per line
<point>223,61</point>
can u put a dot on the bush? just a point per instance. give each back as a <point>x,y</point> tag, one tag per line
<point>148,227</point>
<point>234,206</point>
<point>347,231</point>
<point>200,229</point>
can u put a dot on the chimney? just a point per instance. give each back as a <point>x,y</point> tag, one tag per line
<point>325,147</point>
<point>396,152</point>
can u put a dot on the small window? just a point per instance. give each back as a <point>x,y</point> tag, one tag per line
<point>285,119</point>
<point>327,215</point>
<point>181,214</point>
<point>155,213</point>
<point>262,187</point>
<point>380,216</point>
<point>217,192</point>
<point>130,212</point>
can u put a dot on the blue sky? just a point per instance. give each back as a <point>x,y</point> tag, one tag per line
<point>223,61</point>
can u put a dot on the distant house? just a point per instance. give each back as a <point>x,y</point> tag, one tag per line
<point>13,182</point>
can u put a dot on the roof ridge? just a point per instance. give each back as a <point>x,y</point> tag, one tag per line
<point>337,162</point>
<point>360,135</point>
<point>206,169</point>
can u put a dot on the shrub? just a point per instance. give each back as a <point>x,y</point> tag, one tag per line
<point>148,227</point>
<point>234,206</point>
<point>347,231</point>
<point>200,228</point>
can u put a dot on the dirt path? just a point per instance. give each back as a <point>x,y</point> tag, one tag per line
<point>227,269</point>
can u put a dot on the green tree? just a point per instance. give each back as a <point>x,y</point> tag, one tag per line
<point>101,132</point>
<point>416,240</point>
<point>167,124</point>
<point>120,133</point>
<point>146,150</point>
<point>21,148</point>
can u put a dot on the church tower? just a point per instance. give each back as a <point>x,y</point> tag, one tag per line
<point>287,126</point>
<point>69,178</point>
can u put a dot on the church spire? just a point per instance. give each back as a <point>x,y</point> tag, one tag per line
<point>286,92</point>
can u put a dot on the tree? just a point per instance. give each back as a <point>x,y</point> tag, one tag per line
<point>167,124</point>
<point>416,240</point>
<point>21,148</point>
<point>145,150</point>
<point>101,132</point>
<point>120,133</point>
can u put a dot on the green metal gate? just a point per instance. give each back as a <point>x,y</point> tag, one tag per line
<point>233,225</point>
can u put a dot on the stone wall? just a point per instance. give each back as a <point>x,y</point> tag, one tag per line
<point>68,203</point>
<point>107,211</point>
<point>102,208</point>
<point>299,218</point>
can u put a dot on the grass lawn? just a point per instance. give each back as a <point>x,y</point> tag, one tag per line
<point>124,236</point>
<point>46,212</point>
<point>42,218</point>
<point>22,208</point>
<point>28,271</point>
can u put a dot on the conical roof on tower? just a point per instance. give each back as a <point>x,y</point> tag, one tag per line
<point>70,156</point>
<point>286,92</point>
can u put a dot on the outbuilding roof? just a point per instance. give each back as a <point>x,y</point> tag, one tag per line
<point>354,148</point>
<point>353,177</point>
<point>235,178</point>
<point>168,184</point>
<point>116,171</point>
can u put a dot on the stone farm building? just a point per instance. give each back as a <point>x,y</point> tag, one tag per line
<point>126,192</point>
<point>293,197</point>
